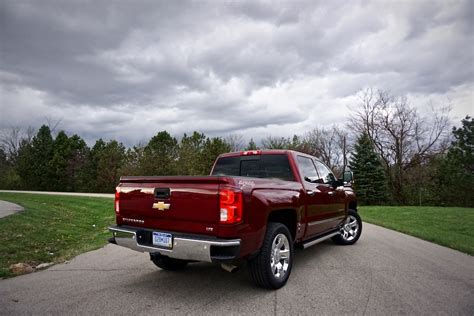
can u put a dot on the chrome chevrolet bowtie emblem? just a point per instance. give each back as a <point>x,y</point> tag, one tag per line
<point>161,206</point>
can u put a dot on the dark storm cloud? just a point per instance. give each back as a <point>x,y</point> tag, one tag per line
<point>251,67</point>
<point>433,53</point>
<point>53,47</point>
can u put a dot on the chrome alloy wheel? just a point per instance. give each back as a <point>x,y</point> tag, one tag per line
<point>350,228</point>
<point>280,256</point>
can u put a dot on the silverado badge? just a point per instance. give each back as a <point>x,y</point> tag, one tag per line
<point>161,206</point>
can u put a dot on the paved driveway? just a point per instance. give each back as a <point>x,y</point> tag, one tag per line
<point>8,208</point>
<point>107,195</point>
<point>384,273</point>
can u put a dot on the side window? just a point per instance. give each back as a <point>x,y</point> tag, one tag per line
<point>227,166</point>
<point>324,172</point>
<point>307,169</point>
<point>276,166</point>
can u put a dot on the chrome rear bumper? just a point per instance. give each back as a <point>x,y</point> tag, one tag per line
<point>201,248</point>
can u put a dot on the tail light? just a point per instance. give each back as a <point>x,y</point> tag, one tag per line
<point>117,200</point>
<point>230,206</point>
<point>250,152</point>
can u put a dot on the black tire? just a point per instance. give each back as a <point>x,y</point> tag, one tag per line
<point>260,267</point>
<point>167,263</point>
<point>346,237</point>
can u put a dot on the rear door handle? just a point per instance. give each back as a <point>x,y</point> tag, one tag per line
<point>331,192</point>
<point>311,192</point>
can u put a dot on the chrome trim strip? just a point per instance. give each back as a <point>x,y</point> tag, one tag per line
<point>183,248</point>
<point>316,241</point>
<point>321,222</point>
<point>122,189</point>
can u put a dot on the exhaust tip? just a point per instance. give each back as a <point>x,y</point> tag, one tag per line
<point>229,267</point>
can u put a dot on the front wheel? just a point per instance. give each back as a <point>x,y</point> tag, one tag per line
<point>272,267</point>
<point>350,230</point>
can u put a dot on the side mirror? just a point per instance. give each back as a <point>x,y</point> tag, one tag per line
<point>347,177</point>
<point>337,183</point>
<point>313,180</point>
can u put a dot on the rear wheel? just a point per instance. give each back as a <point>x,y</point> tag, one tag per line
<point>272,267</point>
<point>350,230</point>
<point>167,263</point>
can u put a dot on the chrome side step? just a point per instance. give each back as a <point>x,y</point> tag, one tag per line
<point>318,240</point>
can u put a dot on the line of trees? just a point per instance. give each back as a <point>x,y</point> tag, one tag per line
<point>62,163</point>
<point>398,156</point>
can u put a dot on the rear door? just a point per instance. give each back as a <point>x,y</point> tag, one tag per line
<point>316,198</point>
<point>319,200</point>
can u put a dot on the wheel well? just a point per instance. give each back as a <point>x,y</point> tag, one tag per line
<point>353,205</point>
<point>287,218</point>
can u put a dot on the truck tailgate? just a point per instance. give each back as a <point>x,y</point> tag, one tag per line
<point>171,200</point>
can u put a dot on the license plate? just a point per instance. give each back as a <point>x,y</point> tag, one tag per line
<point>162,240</point>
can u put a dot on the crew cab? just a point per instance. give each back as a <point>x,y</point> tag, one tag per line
<point>255,207</point>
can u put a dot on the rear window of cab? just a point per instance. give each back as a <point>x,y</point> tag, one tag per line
<point>255,166</point>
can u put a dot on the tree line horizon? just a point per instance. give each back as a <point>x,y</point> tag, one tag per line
<point>397,155</point>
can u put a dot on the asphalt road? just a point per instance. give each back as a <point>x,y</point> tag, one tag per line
<point>384,273</point>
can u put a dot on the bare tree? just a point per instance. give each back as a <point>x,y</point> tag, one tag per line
<point>53,124</point>
<point>329,145</point>
<point>401,136</point>
<point>272,142</point>
<point>11,140</point>
<point>236,142</point>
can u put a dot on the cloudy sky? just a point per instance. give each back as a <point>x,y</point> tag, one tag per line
<point>128,69</point>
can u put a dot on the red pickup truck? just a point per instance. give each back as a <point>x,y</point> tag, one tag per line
<point>255,207</point>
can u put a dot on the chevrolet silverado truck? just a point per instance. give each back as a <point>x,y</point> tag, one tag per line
<point>255,207</point>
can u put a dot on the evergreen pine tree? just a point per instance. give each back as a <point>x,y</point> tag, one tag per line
<point>190,153</point>
<point>251,145</point>
<point>24,166</point>
<point>59,161</point>
<point>89,175</point>
<point>370,179</point>
<point>109,162</point>
<point>77,162</point>
<point>454,178</point>
<point>160,155</point>
<point>42,153</point>
<point>212,148</point>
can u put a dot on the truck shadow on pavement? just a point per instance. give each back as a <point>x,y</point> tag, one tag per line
<point>210,288</point>
<point>208,281</point>
<point>117,279</point>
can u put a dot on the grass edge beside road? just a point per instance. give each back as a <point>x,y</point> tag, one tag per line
<point>57,228</point>
<point>446,226</point>
<point>52,228</point>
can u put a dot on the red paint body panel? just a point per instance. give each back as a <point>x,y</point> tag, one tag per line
<point>194,205</point>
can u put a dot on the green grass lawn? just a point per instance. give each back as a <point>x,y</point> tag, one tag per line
<point>52,228</point>
<point>448,226</point>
